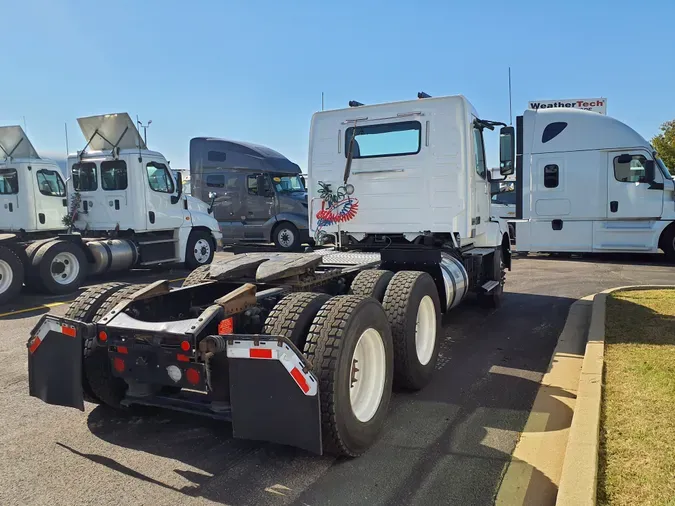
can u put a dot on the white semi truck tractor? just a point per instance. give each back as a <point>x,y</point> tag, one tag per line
<point>302,349</point>
<point>121,207</point>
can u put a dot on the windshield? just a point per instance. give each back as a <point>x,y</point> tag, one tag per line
<point>664,169</point>
<point>287,183</point>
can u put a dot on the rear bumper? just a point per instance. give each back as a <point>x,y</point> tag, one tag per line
<point>271,393</point>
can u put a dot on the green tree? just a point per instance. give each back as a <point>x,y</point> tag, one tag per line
<point>665,144</point>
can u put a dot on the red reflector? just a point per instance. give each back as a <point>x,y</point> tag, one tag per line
<point>182,358</point>
<point>123,349</point>
<point>118,364</point>
<point>68,331</point>
<point>192,376</point>
<point>300,379</point>
<point>260,353</point>
<point>34,344</point>
<point>185,346</point>
<point>103,336</point>
<point>226,326</point>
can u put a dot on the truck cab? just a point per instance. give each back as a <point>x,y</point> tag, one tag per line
<point>416,168</point>
<point>118,186</point>
<point>260,195</point>
<point>32,191</point>
<point>590,183</point>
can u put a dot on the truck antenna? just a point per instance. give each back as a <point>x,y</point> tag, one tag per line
<point>510,109</point>
<point>322,100</point>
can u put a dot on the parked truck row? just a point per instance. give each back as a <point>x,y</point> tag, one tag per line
<point>120,207</point>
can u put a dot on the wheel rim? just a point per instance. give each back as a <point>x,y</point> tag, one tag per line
<point>202,251</point>
<point>367,376</point>
<point>65,268</point>
<point>6,276</point>
<point>286,237</point>
<point>425,330</point>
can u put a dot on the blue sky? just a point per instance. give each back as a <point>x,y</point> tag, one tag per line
<point>254,70</point>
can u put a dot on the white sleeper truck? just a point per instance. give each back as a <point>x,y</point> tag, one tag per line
<point>589,183</point>
<point>302,349</point>
<point>123,202</point>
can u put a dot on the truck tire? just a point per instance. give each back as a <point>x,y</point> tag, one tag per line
<point>84,309</point>
<point>199,250</point>
<point>668,243</point>
<point>350,347</point>
<point>60,267</point>
<point>293,315</point>
<point>32,276</point>
<point>413,308</point>
<point>106,387</point>
<point>286,236</point>
<point>11,274</point>
<point>371,283</point>
<point>197,276</point>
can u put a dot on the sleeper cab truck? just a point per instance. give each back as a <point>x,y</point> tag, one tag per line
<point>589,183</point>
<point>126,208</point>
<point>303,349</point>
<point>260,194</point>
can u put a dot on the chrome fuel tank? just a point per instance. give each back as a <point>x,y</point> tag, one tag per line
<point>455,280</point>
<point>112,255</point>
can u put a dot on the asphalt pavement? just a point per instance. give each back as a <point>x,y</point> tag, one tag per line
<point>448,444</point>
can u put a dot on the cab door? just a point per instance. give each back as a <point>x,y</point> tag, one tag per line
<point>114,193</point>
<point>50,199</point>
<point>228,206</point>
<point>629,196</point>
<point>260,206</point>
<point>161,212</point>
<point>11,219</point>
<point>480,190</point>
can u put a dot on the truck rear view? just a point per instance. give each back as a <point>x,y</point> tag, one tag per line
<point>303,349</point>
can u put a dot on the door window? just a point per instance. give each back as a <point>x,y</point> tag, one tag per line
<point>9,182</point>
<point>84,177</point>
<point>252,186</point>
<point>479,152</point>
<point>50,183</point>
<point>551,176</point>
<point>632,171</point>
<point>114,175</point>
<point>159,177</point>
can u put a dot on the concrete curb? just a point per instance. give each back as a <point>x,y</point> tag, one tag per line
<point>579,478</point>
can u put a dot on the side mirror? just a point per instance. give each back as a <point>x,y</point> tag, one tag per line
<point>650,171</point>
<point>507,145</point>
<point>212,196</point>
<point>179,188</point>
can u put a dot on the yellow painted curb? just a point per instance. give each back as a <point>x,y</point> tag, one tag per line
<point>533,474</point>
<point>579,479</point>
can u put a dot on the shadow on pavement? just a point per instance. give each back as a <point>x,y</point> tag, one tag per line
<point>447,444</point>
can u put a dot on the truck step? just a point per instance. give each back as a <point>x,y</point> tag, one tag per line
<point>161,261</point>
<point>156,241</point>
<point>490,285</point>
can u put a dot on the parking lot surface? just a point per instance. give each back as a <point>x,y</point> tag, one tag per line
<point>448,444</point>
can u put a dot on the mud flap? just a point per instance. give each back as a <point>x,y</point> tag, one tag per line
<point>55,362</point>
<point>273,394</point>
